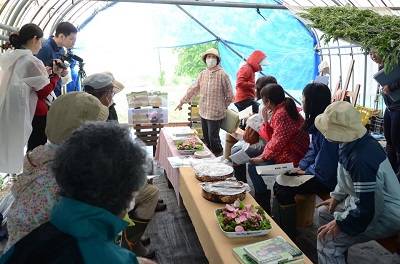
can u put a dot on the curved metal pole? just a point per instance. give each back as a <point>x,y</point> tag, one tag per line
<point>63,14</point>
<point>9,28</point>
<point>202,3</point>
<point>227,45</point>
<point>17,12</point>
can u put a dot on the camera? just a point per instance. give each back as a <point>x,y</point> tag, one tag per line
<point>69,57</point>
<point>58,63</point>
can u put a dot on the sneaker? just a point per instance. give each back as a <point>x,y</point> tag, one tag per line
<point>160,207</point>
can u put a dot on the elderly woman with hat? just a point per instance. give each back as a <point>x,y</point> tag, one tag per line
<point>216,95</point>
<point>36,190</point>
<point>365,204</point>
<point>104,86</point>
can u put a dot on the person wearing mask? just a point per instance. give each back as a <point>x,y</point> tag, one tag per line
<point>103,86</point>
<point>96,193</point>
<point>321,161</point>
<point>391,118</point>
<point>286,141</point>
<point>365,204</point>
<point>216,95</point>
<point>23,79</point>
<point>245,82</point>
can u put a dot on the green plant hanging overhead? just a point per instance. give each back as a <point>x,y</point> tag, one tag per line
<point>373,32</point>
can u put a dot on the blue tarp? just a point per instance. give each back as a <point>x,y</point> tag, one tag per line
<point>288,44</point>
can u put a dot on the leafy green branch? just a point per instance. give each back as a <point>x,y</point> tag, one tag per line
<point>370,30</point>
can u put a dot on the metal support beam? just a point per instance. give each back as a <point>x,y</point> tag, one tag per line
<point>201,3</point>
<point>4,38</point>
<point>9,28</point>
<point>218,4</point>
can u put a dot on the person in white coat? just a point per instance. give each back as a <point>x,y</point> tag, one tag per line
<point>21,76</point>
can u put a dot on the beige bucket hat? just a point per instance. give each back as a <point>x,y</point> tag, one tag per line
<point>70,111</point>
<point>340,122</point>
<point>213,52</point>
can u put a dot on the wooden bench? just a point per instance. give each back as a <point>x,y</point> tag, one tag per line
<point>392,244</point>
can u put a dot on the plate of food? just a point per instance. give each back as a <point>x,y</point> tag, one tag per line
<point>212,171</point>
<point>227,191</point>
<point>189,146</point>
<point>239,220</point>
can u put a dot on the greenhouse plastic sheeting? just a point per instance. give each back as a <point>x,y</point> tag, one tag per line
<point>288,44</point>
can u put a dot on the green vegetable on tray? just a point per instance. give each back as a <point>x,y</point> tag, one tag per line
<point>238,217</point>
<point>370,30</point>
<point>189,144</point>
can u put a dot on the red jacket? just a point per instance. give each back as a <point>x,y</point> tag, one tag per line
<point>286,142</point>
<point>41,107</point>
<point>245,77</point>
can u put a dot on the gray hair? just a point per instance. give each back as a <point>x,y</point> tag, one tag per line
<point>100,164</point>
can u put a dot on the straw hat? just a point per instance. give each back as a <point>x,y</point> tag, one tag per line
<point>70,111</point>
<point>213,52</point>
<point>340,122</point>
<point>118,86</point>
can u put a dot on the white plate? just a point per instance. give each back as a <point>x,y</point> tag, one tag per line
<point>242,234</point>
<point>186,152</point>
<point>201,154</point>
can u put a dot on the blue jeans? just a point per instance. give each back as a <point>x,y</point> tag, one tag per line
<point>258,182</point>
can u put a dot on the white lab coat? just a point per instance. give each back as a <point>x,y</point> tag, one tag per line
<point>21,75</point>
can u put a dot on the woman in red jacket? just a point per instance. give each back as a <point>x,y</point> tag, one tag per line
<point>245,81</point>
<point>38,135</point>
<point>286,141</point>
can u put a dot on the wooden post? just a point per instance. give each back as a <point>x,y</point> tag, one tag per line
<point>305,209</point>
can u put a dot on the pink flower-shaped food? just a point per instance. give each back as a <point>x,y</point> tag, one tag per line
<point>239,229</point>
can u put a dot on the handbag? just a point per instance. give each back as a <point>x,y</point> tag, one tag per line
<point>231,122</point>
<point>250,136</point>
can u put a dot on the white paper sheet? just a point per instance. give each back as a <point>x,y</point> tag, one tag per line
<point>180,161</point>
<point>276,169</point>
<point>246,112</point>
<point>240,157</point>
<point>293,181</point>
<point>255,122</point>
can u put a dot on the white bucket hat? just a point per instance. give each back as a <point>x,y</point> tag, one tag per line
<point>340,122</point>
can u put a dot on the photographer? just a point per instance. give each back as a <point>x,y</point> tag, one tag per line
<point>38,135</point>
<point>53,49</point>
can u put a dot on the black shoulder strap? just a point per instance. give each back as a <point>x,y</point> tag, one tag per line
<point>47,244</point>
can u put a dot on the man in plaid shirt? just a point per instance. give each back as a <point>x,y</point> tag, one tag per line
<point>216,95</point>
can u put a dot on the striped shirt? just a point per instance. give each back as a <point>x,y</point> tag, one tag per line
<point>215,92</point>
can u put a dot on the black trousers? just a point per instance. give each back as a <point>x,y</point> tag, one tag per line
<point>38,136</point>
<point>246,103</point>
<point>211,130</point>
<point>285,194</point>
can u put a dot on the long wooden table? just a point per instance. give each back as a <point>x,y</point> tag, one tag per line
<point>217,247</point>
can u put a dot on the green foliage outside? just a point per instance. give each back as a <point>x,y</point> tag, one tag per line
<point>370,30</point>
<point>189,59</point>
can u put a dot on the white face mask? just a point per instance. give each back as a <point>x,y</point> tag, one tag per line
<point>211,63</point>
<point>132,204</point>
<point>264,62</point>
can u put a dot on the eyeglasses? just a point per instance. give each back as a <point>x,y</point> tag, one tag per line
<point>111,92</point>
